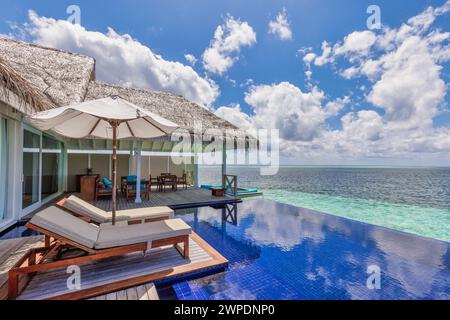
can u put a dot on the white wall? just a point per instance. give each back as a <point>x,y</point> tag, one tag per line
<point>100,163</point>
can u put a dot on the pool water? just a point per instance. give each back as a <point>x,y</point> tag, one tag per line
<point>415,199</point>
<point>424,221</point>
<point>278,251</point>
<point>17,231</point>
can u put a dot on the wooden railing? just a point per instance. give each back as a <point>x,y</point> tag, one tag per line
<point>229,183</point>
<point>229,214</point>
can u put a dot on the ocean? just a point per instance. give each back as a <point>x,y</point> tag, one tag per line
<point>415,200</point>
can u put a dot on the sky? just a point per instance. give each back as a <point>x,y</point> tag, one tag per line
<point>339,90</point>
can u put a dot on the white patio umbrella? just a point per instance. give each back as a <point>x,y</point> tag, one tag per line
<point>110,118</point>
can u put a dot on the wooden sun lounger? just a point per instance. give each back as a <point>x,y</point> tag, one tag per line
<point>62,202</point>
<point>35,260</point>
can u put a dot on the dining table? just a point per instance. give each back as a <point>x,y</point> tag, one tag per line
<point>167,180</point>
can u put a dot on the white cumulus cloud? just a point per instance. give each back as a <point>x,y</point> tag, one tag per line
<point>190,58</point>
<point>357,41</point>
<point>224,49</point>
<point>403,67</point>
<point>122,59</point>
<point>234,115</point>
<point>298,115</point>
<point>280,27</point>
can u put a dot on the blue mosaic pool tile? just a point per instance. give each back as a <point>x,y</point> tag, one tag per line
<point>278,251</point>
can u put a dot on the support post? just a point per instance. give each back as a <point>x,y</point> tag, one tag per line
<point>224,162</point>
<point>168,164</point>
<point>130,162</point>
<point>110,166</point>
<point>114,172</point>
<point>196,164</point>
<point>89,161</point>
<point>138,173</point>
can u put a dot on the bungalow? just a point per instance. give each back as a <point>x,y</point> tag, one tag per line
<point>36,167</point>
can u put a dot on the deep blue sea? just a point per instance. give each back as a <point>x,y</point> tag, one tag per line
<point>415,200</point>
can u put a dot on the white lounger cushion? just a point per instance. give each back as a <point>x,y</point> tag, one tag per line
<point>86,209</point>
<point>59,222</point>
<point>66,225</point>
<point>98,215</point>
<point>143,213</point>
<point>115,236</point>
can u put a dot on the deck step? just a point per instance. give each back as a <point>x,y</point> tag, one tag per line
<point>142,292</point>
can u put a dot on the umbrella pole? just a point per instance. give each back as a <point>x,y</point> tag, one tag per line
<point>114,172</point>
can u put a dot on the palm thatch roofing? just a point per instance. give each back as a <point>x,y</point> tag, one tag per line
<point>173,107</point>
<point>62,76</point>
<point>46,78</point>
<point>30,99</point>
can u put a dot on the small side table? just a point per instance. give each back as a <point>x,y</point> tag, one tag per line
<point>218,192</point>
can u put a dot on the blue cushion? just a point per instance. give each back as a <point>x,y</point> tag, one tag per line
<point>131,178</point>
<point>134,186</point>
<point>210,186</point>
<point>107,183</point>
<point>243,192</point>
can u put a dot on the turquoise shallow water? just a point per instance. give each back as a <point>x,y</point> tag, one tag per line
<point>415,200</point>
<point>428,222</point>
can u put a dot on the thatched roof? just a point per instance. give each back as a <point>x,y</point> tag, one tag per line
<point>30,98</point>
<point>170,106</point>
<point>50,77</point>
<point>62,76</point>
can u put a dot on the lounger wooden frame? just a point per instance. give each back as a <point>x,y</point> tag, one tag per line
<point>34,260</point>
<point>61,203</point>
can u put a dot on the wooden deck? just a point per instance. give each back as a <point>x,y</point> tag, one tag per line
<point>111,275</point>
<point>189,198</point>
<point>145,291</point>
<point>11,251</point>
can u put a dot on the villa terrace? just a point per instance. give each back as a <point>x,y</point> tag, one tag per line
<point>42,167</point>
<point>109,279</point>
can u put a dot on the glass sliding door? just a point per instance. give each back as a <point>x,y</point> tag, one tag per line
<point>3,170</point>
<point>31,169</point>
<point>51,166</point>
<point>42,169</point>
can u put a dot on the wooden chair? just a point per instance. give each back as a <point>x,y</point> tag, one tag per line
<point>183,181</point>
<point>168,181</point>
<point>131,188</point>
<point>123,182</point>
<point>102,190</point>
<point>153,182</point>
<point>42,259</point>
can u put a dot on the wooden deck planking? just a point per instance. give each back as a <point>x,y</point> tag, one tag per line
<point>145,291</point>
<point>151,291</point>
<point>108,270</point>
<point>191,197</point>
<point>122,295</point>
<point>111,296</point>
<point>141,292</point>
<point>11,251</point>
<point>119,273</point>
<point>120,265</point>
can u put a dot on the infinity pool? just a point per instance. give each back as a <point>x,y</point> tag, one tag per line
<point>278,251</point>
